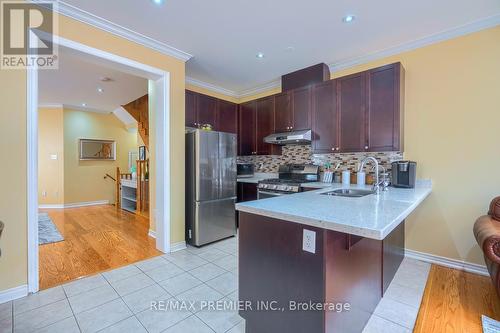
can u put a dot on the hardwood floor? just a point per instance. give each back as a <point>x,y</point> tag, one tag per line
<point>454,301</point>
<point>96,239</point>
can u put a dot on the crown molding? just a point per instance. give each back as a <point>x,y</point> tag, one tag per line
<point>211,87</point>
<point>260,89</point>
<point>469,28</point>
<point>232,93</point>
<point>78,14</point>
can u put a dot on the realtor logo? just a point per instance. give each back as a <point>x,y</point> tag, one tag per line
<point>28,35</point>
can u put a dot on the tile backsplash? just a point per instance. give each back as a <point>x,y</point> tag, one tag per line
<point>302,154</point>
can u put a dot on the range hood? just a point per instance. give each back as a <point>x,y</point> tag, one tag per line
<point>295,137</point>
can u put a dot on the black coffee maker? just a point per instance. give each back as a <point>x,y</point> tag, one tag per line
<point>404,174</point>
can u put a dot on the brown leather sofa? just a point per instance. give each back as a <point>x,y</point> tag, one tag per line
<point>487,233</point>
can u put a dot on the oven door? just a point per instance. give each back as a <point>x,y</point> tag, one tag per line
<point>263,194</point>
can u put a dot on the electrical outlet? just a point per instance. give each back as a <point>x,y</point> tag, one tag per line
<point>44,194</point>
<point>309,241</point>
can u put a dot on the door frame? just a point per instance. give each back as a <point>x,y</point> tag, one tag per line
<point>159,87</point>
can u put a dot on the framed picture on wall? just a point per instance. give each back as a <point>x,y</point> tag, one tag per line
<point>142,153</point>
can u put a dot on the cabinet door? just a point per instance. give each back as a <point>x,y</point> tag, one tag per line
<point>325,118</point>
<point>227,117</point>
<point>206,108</point>
<point>191,109</point>
<point>301,106</point>
<point>246,129</point>
<point>283,112</point>
<point>265,124</point>
<point>351,107</point>
<point>247,192</point>
<point>383,99</point>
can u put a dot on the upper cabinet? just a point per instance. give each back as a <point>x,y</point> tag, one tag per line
<point>362,112</point>
<point>206,107</point>
<point>246,129</point>
<point>325,118</point>
<point>191,109</point>
<point>366,113</point>
<point>264,125</point>
<point>385,102</point>
<point>282,112</point>
<point>202,109</point>
<point>226,117</point>
<point>301,109</point>
<point>351,101</point>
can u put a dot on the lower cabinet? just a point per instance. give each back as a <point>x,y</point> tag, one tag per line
<point>247,192</point>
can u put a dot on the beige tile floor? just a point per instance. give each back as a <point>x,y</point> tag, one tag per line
<point>120,300</point>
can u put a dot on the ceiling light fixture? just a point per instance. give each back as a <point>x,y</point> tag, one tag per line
<point>260,55</point>
<point>84,104</point>
<point>100,90</point>
<point>158,2</point>
<point>348,19</point>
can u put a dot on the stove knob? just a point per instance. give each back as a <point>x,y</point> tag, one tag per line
<point>288,188</point>
<point>273,187</point>
<point>265,186</point>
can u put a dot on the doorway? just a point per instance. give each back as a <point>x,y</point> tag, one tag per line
<point>158,90</point>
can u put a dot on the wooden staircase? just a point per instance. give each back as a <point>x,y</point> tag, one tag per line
<point>140,111</point>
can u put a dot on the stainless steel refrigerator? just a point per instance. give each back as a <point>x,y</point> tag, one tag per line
<point>210,186</point>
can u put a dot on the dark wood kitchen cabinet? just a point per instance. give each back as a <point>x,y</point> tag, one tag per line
<point>246,192</point>
<point>226,117</point>
<point>385,102</point>
<point>282,112</point>
<point>351,104</point>
<point>301,109</point>
<point>191,109</point>
<point>293,110</point>
<point>325,118</point>
<point>206,108</point>
<point>264,124</point>
<point>246,128</point>
<point>256,121</point>
<point>203,109</point>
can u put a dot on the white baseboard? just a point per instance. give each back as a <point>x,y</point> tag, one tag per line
<point>173,247</point>
<point>447,262</point>
<point>13,293</point>
<point>75,204</point>
<point>178,246</point>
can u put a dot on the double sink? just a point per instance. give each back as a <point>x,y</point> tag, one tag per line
<point>347,192</point>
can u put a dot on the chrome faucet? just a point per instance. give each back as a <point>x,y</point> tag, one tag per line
<point>377,183</point>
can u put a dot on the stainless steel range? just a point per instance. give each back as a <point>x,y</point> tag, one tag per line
<point>290,178</point>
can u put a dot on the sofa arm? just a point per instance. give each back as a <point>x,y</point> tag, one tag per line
<point>491,249</point>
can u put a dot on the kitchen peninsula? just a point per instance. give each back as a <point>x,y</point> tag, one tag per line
<point>316,248</point>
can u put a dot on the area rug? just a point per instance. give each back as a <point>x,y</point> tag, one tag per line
<point>47,231</point>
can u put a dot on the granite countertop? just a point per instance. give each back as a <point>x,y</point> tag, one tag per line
<point>372,216</point>
<point>257,177</point>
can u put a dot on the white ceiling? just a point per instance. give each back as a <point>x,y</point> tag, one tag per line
<point>225,35</point>
<point>78,78</point>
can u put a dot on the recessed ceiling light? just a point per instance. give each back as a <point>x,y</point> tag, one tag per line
<point>100,90</point>
<point>84,104</point>
<point>158,2</point>
<point>348,18</point>
<point>260,55</point>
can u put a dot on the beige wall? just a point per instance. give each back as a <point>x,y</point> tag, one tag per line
<point>13,264</point>
<point>83,180</point>
<point>452,126</point>
<point>50,143</point>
